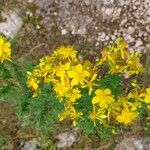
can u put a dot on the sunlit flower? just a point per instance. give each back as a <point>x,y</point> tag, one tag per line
<point>61,89</point>
<point>127,117</point>
<point>97,115</point>
<point>103,98</point>
<point>146,96</point>
<point>78,74</point>
<point>66,52</point>
<point>5,50</point>
<point>89,83</point>
<point>70,113</point>
<point>73,95</point>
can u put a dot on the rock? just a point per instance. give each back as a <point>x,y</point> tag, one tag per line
<point>63,31</point>
<point>31,145</point>
<point>66,139</point>
<point>87,2</point>
<point>107,13</point>
<point>134,143</point>
<point>12,25</point>
<point>130,30</point>
<point>42,4</point>
<point>129,38</point>
<point>138,43</point>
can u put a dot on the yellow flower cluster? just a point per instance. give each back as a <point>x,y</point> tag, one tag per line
<point>5,50</point>
<point>119,60</point>
<point>69,76</point>
<point>123,109</point>
<point>67,73</point>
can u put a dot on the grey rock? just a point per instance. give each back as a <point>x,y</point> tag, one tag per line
<point>66,139</point>
<point>134,143</point>
<point>31,145</point>
<point>12,25</point>
<point>107,13</point>
<point>42,4</point>
<point>63,31</point>
<point>130,30</point>
<point>138,43</point>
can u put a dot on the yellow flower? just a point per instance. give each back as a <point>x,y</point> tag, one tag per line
<point>146,96</point>
<point>133,64</point>
<point>44,68</point>
<point>97,116</point>
<point>117,69</point>
<point>107,56</point>
<point>5,50</point>
<point>73,95</point>
<point>121,45</point>
<point>61,89</point>
<point>32,83</point>
<point>103,98</point>
<point>135,94</point>
<point>90,83</point>
<point>60,70</point>
<point>126,117</point>
<point>78,75</point>
<point>66,52</point>
<point>70,113</point>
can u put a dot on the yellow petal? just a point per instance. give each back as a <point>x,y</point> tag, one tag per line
<point>107,91</point>
<point>95,100</point>
<point>78,68</point>
<point>98,92</point>
<point>85,73</point>
<point>74,81</point>
<point>71,74</point>
<point>94,77</point>
<point>147,99</point>
<point>148,90</point>
<point>103,116</point>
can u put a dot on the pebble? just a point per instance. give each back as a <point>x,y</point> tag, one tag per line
<point>63,31</point>
<point>66,139</point>
<point>31,145</point>
<point>130,30</point>
<point>138,43</point>
<point>12,24</point>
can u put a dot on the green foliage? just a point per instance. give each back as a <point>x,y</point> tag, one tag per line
<point>4,140</point>
<point>113,82</point>
<point>4,72</point>
<point>104,132</point>
<point>41,111</point>
<point>87,126</point>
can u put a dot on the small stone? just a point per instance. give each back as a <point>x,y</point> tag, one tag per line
<point>129,38</point>
<point>97,44</point>
<point>66,139</point>
<point>134,143</point>
<point>138,43</point>
<point>107,13</point>
<point>30,1</point>
<point>12,24</point>
<point>107,38</point>
<point>123,22</point>
<point>81,31</point>
<point>130,30</point>
<point>148,45</point>
<point>141,49</point>
<point>31,145</point>
<point>38,26</point>
<point>63,31</point>
<point>113,37</point>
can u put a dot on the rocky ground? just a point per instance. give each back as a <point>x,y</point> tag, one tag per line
<point>100,21</point>
<point>36,27</point>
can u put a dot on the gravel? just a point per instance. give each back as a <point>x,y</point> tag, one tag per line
<point>86,19</point>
